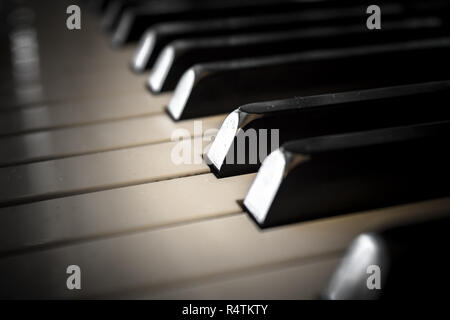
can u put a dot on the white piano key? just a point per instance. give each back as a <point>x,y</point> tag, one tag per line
<point>160,258</point>
<point>80,112</point>
<point>100,171</point>
<point>85,50</point>
<point>292,281</point>
<point>53,144</point>
<point>120,210</point>
<point>63,87</point>
<point>70,71</point>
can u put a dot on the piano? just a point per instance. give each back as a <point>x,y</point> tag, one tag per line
<point>224,149</point>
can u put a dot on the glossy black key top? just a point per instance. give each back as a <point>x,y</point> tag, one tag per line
<point>219,87</point>
<point>158,36</point>
<point>330,175</point>
<point>114,10</point>
<point>400,261</point>
<point>134,21</point>
<point>179,55</point>
<point>252,131</point>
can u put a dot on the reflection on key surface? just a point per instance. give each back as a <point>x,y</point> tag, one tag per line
<point>98,171</point>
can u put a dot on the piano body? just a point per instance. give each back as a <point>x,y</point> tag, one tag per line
<point>92,119</point>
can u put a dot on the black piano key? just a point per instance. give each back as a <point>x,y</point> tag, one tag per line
<point>330,175</point>
<point>402,261</point>
<point>97,6</point>
<point>113,10</point>
<point>135,20</point>
<point>333,113</point>
<point>158,36</point>
<point>219,87</point>
<point>179,55</point>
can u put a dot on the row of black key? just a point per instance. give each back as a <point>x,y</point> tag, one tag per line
<point>366,120</point>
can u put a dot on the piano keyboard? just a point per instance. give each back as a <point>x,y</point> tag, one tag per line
<point>90,121</point>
